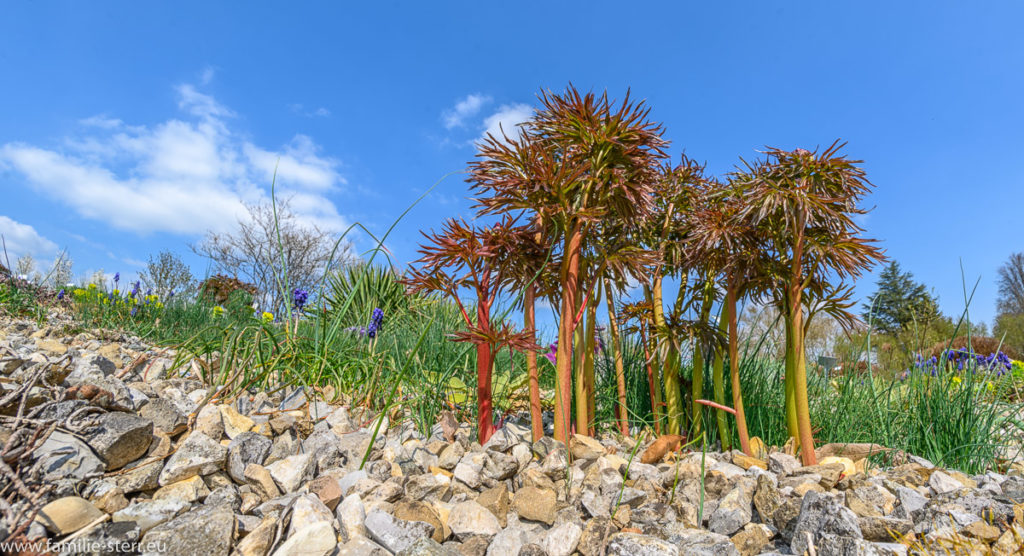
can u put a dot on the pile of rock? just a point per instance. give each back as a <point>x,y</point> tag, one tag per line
<point>146,459</point>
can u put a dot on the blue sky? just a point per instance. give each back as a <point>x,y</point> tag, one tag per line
<point>133,127</point>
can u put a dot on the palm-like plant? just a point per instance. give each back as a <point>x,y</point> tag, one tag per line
<point>672,196</point>
<point>530,271</point>
<point>462,257</point>
<point>804,203</point>
<point>579,160</point>
<point>722,241</point>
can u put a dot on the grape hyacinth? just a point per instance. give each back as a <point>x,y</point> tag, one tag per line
<point>60,295</point>
<point>117,277</point>
<point>376,320</point>
<point>299,297</point>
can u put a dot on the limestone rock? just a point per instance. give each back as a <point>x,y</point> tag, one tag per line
<point>197,455</point>
<point>120,438</point>
<point>396,534</point>
<point>633,544</point>
<point>291,472</point>
<point>470,518</point>
<point>821,515</point>
<point>205,531</point>
<point>535,504</point>
<point>317,539</point>
<point>66,515</point>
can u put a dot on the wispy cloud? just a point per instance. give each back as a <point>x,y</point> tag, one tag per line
<point>506,120</point>
<point>301,110</point>
<point>463,110</point>
<point>20,239</point>
<point>207,75</point>
<point>182,176</point>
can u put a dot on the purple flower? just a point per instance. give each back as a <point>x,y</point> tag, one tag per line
<point>135,310</point>
<point>552,352</point>
<point>117,277</point>
<point>60,295</point>
<point>376,320</point>
<point>299,297</point>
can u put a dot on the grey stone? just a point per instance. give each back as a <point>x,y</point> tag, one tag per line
<point>782,464</point>
<point>120,438</point>
<point>291,472</point>
<point>822,515</point>
<point>427,547</point>
<point>734,510</point>
<point>562,540</point>
<point>507,541</point>
<point>246,448</point>
<point>150,513</point>
<point>166,416</point>
<point>326,449</point>
<point>499,466</point>
<point>362,546</point>
<point>197,455</point>
<point>351,513</point>
<point>395,534</point>
<point>450,456</point>
<point>205,531</point>
<point>64,456</point>
<point>634,544</point>
<point>469,518</point>
<point>701,543</point>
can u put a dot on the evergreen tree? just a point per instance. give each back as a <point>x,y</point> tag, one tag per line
<point>900,302</point>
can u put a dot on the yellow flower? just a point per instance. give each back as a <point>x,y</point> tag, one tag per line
<point>218,311</point>
<point>956,381</point>
<point>991,387</point>
<point>159,305</point>
<point>92,286</point>
<point>268,317</point>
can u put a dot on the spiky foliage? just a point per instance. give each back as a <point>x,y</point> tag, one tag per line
<point>581,159</point>
<point>462,257</point>
<point>804,203</point>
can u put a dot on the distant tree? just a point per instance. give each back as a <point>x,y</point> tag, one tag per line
<point>167,273</point>
<point>25,267</point>
<point>1010,329</point>
<point>274,252</point>
<point>60,274</point>
<point>1011,285</point>
<point>900,302</point>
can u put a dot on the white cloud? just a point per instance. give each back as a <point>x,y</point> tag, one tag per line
<point>101,121</point>
<point>20,239</point>
<point>507,118</point>
<point>299,109</point>
<point>199,104</point>
<point>465,108</point>
<point>207,76</point>
<point>298,164</point>
<point>182,176</point>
